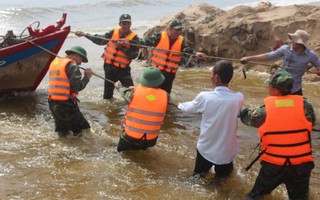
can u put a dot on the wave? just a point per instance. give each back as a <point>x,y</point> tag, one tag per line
<point>72,5</point>
<point>97,16</point>
<point>278,3</point>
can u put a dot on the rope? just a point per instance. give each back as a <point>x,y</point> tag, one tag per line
<point>99,76</point>
<point>153,48</point>
<point>50,52</point>
<point>41,47</point>
<point>190,54</point>
<point>145,46</point>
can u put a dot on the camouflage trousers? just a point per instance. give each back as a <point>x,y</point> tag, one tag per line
<point>295,177</point>
<point>67,116</point>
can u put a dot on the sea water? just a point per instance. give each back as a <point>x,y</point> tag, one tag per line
<point>102,15</point>
<point>99,16</point>
<point>35,164</point>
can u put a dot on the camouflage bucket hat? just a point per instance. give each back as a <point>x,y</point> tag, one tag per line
<point>125,18</point>
<point>281,80</point>
<point>176,24</point>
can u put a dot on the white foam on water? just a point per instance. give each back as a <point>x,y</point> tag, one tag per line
<point>275,3</point>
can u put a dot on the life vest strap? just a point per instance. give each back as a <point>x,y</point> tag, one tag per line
<point>290,145</point>
<point>288,156</point>
<point>144,137</point>
<point>286,132</point>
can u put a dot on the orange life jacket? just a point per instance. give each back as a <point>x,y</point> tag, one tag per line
<point>113,55</point>
<point>285,135</point>
<point>145,113</point>
<point>59,84</point>
<point>167,60</point>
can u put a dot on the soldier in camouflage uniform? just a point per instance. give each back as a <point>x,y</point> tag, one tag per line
<point>286,155</point>
<point>113,72</point>
<point>66,113</point>
<point>174,33</point>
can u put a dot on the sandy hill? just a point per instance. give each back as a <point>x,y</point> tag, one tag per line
<point>244,30</point>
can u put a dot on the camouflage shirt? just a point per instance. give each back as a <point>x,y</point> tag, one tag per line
<point>127,93</point>
<point>74,75</point>
<point>256,117</point>
<point>131,52</point>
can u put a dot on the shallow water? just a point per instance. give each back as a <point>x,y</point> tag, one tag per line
<point>36,164</point>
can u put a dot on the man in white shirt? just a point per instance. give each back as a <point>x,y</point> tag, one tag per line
<point>217,143</point>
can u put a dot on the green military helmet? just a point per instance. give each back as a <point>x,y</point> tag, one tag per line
<point>151,77</point>
<point>80,51</point>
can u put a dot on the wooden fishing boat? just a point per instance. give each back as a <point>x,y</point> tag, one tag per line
<point>24,60</point>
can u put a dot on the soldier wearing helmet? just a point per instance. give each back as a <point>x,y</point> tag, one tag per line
<point>64,84</point>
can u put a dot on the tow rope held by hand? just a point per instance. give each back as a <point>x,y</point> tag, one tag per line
<point>50,52</point>
<point>190,54</point>
<point>185,53</point>
<point>117,87</point>
<point>110,81</point>
<point>152,48</point>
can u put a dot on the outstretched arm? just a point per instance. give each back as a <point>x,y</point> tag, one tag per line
<point>97,39</point>
<point>260,57</point>
<point>126,93</point>
<point>252,117</point>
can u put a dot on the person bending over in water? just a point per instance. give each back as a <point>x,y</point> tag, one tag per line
<point>145,112</point>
